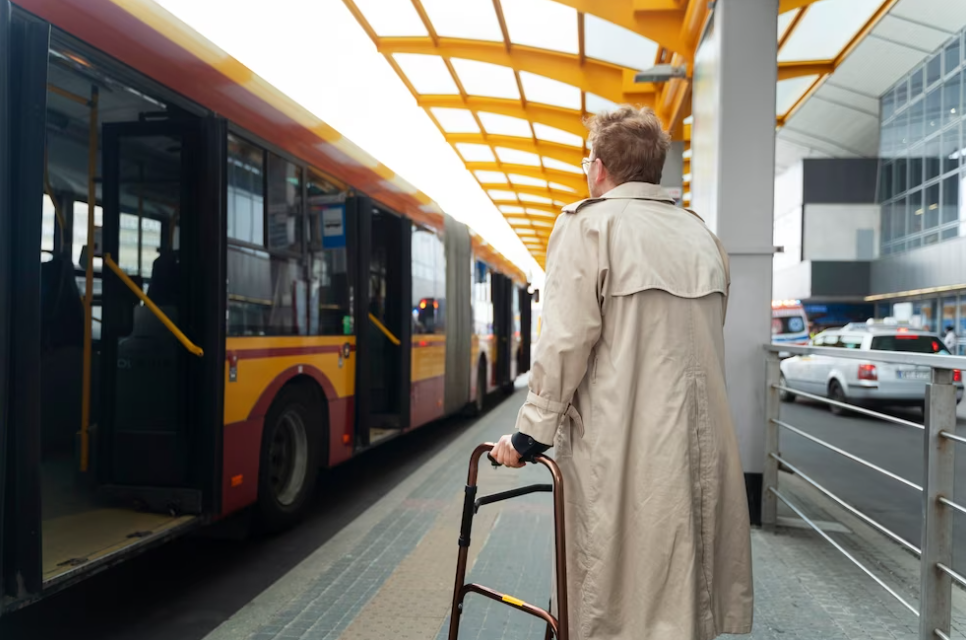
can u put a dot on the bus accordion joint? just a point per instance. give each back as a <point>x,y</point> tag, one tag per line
<point>165,320</point>
<point>386,332</point>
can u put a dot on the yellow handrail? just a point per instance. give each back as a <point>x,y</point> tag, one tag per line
<point>165,320</point>
<point>393,339</point>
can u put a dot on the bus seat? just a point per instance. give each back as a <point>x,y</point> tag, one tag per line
<point>62,320</point>
<point>165,279</point>
<point>61,359</point>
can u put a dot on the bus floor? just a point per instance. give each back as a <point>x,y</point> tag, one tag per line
<point>78,529</point>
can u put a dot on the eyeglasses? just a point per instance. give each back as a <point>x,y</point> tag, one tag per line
<point>586,163</point>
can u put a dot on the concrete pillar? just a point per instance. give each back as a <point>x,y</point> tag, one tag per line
<point>733,169</point>
<point>672,177</point>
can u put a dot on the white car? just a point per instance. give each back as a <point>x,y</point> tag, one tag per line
<point>865,382</point>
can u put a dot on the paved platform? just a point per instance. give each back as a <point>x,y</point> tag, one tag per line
<point>390,573</point>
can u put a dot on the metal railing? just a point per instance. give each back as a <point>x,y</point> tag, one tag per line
<point>939,433</point>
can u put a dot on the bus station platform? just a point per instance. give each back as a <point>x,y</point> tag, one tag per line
<point>389,574</point>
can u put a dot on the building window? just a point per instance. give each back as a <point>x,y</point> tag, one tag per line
<point>921,148</point>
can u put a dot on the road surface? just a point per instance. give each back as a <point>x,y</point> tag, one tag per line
<point>898,449</point>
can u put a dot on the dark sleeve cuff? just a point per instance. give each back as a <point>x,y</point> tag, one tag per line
<point>526,446</point>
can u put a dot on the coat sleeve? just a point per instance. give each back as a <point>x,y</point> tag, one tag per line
<point>571,328</point>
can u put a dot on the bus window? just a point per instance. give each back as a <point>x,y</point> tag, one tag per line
<point>429,282</point>
<point>266,285</point>
<point>329,312</point>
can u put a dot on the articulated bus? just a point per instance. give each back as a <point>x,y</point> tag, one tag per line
<point>206,294</point>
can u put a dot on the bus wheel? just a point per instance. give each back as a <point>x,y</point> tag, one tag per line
<point>288,463</point>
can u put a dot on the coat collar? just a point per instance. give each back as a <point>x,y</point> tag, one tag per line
<point>626,191</point>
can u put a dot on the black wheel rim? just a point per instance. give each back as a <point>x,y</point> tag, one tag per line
<point>288,458</point>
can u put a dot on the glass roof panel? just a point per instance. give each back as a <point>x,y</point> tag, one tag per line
<point>608,42</point>
<point>596,104</point>
<point>392,18</point>
<point>475,152</point>
<point>509,208</point>
<point>486,79</point>
<point>549,91</point>
<point>527,181</point>
<point>562,187</point>
<point>525,232</point>
<point>539,212</point>
<point>518,221</point>
<point>455,120</point>
<point>528,197</point>
<point>826,28</point>
<point>497,194</point>
<point>491,177</point>
<point>513,156</point>
<point>428,74</point>
<point>784,20</point>
<point>470,19</point>
<point>553,134</point>
<point>541,23</point>
<point>542,223</point>
<point>789,91</point>
<point>550,163</point>
<point>501,125</point>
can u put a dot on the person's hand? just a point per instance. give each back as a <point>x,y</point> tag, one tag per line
<point>504,453</point>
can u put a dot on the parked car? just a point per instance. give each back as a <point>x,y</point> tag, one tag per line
<point>866,382</point>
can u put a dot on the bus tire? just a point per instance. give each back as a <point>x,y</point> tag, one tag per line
<point>288,462</point>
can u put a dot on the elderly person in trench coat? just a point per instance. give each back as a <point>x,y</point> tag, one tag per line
<point>628,386</point>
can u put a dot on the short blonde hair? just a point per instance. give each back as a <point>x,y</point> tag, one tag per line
<point>631,143</point>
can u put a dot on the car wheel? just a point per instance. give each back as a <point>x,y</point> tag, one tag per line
<point>835,392</point>
<point>289,459</point>
<point>784,396</point>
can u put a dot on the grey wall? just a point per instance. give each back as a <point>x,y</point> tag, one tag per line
<point>840,279</point>
<point>673,175</point>
<point>840,180</point>
<point>937,265</point>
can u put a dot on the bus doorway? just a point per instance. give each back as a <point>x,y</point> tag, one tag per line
<point>383,325</point>
<point>131,185</point>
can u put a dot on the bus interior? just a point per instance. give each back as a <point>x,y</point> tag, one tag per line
<point>99,481</point>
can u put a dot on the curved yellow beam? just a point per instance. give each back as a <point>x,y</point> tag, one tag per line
<point>798,69</point>
<point>562,152</point>
<point>572,180</point>
<point>564,119</point>
<point>601,78</point>
<point>790,5</point>
<point>660,25</point>
<point>553,194</point>
<point>546,208</point>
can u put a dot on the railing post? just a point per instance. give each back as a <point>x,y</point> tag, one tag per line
<point>769,503</point>
<point>935,604</point>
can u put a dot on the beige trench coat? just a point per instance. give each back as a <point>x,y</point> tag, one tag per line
<point>628,384</point>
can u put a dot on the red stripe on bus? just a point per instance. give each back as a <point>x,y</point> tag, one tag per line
<point>280,352</point>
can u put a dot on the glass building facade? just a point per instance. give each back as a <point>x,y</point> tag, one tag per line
<point>921,169</point>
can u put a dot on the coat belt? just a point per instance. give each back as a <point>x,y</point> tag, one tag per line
<point>560,408</point>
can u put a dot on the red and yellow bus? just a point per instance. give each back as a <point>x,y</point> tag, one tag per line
<point>206,294</point>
